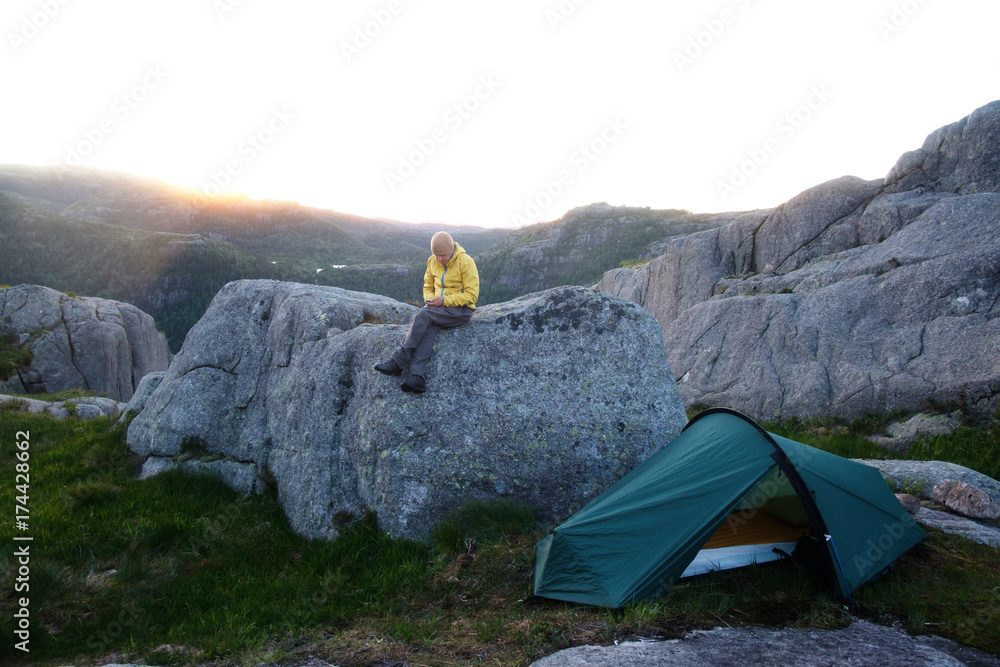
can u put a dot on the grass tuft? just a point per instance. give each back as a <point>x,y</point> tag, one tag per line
<point>482,523</point>
<point>975,446</point>
<point>66,395</point>
<point>12,357</point>
<point>13,407</point>
<point>91,493</point>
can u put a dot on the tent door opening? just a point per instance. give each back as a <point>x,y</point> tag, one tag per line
<point>769,516</point>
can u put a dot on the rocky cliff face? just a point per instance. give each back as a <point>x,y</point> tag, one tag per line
<point>855,296</point>
<point>544,400</point>
<point>79,343</point>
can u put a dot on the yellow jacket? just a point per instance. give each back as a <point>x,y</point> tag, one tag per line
<point>458,280</point>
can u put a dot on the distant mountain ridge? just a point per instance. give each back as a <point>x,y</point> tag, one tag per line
<point>585,243</point>
<point>151,205</point>
<point>168,250</point>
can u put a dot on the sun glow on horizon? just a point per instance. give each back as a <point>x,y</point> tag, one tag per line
<point>459,114</point>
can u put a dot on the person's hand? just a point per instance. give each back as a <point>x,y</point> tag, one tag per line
<point>436,302</point>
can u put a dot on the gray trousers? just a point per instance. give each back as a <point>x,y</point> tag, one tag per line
<point>416,348</point>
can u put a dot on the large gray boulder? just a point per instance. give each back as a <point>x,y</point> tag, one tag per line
<point>965,499</point>
<point>862,644</point>
<point>80,343</point>
<point>977,531</point>
<point>931,480</point>
<point>855,296</point>
<point>545,400</point>
<point>921,477</point>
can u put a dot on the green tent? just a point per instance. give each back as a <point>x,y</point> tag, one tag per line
<point>724,493</point>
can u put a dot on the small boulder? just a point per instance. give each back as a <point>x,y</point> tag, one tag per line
<point>983,533</point>
<point>242,477</point>
<point>922,476</point>
<point>903,434</point>
<point>965,499</point>
<point>910,503</point>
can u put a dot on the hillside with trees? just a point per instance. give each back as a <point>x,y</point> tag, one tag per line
<point>168,250</point>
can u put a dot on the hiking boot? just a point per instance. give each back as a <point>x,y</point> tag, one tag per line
<point>414,384</point>
<point>389,367</point>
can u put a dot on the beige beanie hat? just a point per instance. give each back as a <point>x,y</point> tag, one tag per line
<point>442,244</point>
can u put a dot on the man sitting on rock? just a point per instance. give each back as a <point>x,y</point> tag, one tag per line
<point>451,287</point>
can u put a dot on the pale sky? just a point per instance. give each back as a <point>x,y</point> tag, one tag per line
<point>493,114</point>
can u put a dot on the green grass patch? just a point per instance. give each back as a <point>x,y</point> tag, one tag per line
<point>968,612</point>
<point>976,448</point>
<point>179,559</point>
<point>67,395</point>
<point>12,357</point>
<point>973,445</point>
<point>633,263</point>
<point>12,407</point>
<point>848,439</point>
<point>477,522</point>
<point>179,569</point>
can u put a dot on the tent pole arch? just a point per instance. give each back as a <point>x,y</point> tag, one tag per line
<point>801,490</point>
